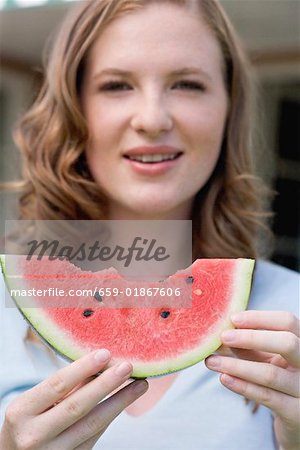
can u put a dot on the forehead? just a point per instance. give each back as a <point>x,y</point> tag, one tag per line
<point>160,33</point>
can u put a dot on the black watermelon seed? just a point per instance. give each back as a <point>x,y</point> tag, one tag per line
<point>98,297</point>
<point>189,280</point>
<point>165,314</point>
<point>88,312</point>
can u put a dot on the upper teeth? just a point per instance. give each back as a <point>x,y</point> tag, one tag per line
<point>153,158</point>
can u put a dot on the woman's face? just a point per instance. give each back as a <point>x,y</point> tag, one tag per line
<point>155,102</point>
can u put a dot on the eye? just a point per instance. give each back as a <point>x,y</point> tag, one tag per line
<point>189,85</point>
<point>113,86</point>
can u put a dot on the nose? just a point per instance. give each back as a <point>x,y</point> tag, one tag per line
<point>152,116</point>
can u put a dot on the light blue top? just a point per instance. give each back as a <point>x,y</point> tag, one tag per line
<point>196,413</point>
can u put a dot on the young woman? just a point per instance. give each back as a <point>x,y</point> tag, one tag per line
<point>127,79</point>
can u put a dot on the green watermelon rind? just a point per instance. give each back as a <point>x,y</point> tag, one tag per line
<point>240,298</point>
<point>65,346</point>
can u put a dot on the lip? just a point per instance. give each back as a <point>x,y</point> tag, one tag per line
<point>152,150</point>
<point>157,168</point>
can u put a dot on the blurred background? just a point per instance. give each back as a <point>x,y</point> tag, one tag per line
<point>270,31</point>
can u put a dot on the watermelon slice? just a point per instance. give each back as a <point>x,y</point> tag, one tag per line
<point>156,340</point>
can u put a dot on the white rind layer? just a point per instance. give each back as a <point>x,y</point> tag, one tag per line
<point>65,346</point>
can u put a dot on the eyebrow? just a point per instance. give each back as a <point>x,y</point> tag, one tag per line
<point>179,72</point>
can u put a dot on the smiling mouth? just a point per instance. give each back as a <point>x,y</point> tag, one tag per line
<point>154,158</point>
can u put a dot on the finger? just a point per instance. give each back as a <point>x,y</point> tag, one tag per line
<point>257,372</point>
<point>267,320</point>
<point>252,355</point>
<point>83,383</point>
<point>281,404</point>
<point>283,342</point>
<point>89,444</point>
<point>224,351</point>
<point>97,421</point>
<point>55,388</point>
<point>81,402</point>
<point>285,433</point>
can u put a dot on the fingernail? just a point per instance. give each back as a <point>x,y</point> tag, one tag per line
<point>123,369</point>
<point>213,361</point>
<point>102,355</point>
<point>228,336</point>
<point>140,386</point>
<point>237,318</point>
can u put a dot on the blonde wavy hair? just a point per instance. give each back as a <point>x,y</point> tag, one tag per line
<point>227,213</point>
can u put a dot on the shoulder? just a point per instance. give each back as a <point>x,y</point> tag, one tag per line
<point>272,275</point>
<point>274,287</point>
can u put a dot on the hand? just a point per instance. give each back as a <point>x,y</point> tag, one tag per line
<point>266,367</point>
<point>62,412</point>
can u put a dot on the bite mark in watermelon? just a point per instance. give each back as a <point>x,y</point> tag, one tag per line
<point>156,341</point>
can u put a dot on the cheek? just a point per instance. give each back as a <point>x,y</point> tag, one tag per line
<point>204,118</point>
<point>102,122</point>
<point>204,129</point>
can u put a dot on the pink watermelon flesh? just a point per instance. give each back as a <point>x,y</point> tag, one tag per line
<point>155,340</point>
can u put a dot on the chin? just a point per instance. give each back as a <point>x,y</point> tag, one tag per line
<point>152,210</point>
